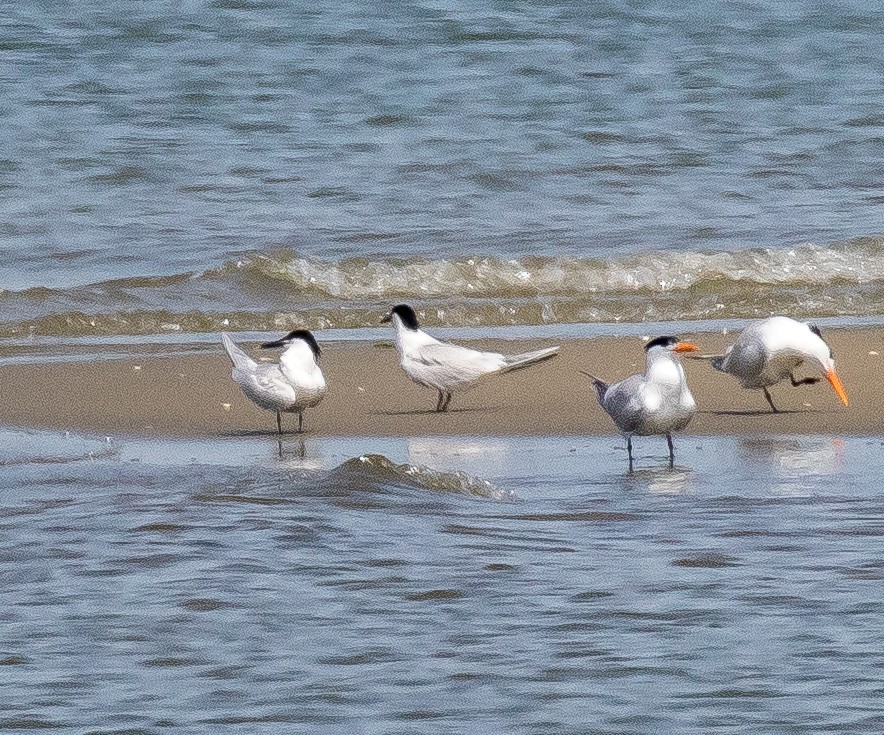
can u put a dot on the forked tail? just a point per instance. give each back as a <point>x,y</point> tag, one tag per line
<point>600,386</point>
<point>517,362</point>
<point>239,358</point>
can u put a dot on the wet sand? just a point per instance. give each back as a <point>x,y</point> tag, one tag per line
<point>369,395</point>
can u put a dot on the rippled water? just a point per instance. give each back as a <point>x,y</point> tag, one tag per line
<point>217,155</point>
<point>441,585</point>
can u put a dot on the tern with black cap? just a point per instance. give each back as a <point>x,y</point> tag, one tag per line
<point>655,402</point>
<point>447,367</point>
<point>292,386</point>
<point>769,351</point>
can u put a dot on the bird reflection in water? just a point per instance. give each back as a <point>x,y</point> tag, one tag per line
<point>793,461</point>
<point>479,456</point>
<point>660,481</point>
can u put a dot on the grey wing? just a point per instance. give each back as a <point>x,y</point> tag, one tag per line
<point>623,402</point>
<point>266,386</point>
<point>454,363</point>
<point>240,359</point>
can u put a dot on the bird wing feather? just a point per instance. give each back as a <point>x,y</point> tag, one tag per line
<point>240,360</point>
<point>456,364</point>
<point>266,386</point>
<point>624,404</point>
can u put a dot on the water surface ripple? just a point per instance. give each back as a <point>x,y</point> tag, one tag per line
<point>154,139</point>
<point>218,586</point>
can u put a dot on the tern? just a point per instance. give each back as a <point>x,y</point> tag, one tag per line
<point>447,367</point>
<point>768,351</point>
<point>292,386</point>
<point>656,402</point>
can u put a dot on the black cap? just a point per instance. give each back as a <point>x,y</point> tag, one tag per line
<point>406,316</point>
<point>667,341</point>
<point>303,334</point>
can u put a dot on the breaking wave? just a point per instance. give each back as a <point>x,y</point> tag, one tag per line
<point>378,470</point>
<point>284,289</point>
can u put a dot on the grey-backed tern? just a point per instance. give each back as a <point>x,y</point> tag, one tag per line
<point>768,351</point>
<point>655,402</point>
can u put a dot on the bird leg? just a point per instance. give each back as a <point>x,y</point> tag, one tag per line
<point>278,422</point>
<point>439,402</point>
<point>301,422</point>
<point>671,451</point>
<point>447,401</point>
<point>629,451</point>
<point>770,400</point>
<point>803,381</point>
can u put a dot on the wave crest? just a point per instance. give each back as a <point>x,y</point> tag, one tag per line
<point>283,290</point>
<point>378,470</point>
<point>858,261</point>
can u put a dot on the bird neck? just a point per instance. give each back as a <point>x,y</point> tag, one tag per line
<point>409,339</point>
<point>297,359</point>
<point>663,368</point>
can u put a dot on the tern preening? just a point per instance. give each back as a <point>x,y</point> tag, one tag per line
<point>768,351</point>
<point>446,367</point>
<point>656,402</point>
<point>292,386</point>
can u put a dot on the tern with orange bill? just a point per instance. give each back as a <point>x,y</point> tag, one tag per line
<point>657,402</point>
<point>769,351</point>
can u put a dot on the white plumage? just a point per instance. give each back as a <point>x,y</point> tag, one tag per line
<point>292,386</point>
<point>447,367</point>
<point>655,402</point>
<point>768,351</point>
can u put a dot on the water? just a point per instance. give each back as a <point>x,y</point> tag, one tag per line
<point>518,585</point>
<point>172,165</point>
<point>170,169</point>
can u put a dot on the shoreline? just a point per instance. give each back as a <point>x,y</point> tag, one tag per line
<point>192,395</point>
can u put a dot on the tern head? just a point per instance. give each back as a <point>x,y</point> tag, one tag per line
<point>672,344</point>
<point>817,350</point>
<point>406,316</point>
<point>304,335</point>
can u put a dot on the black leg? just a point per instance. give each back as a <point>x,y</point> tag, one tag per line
<point>671,451</point>
<point>278,422</point>
<point>629,451</point>
<point>770,400</point>
<point>802,381</point>
<point>301,422</point>
<point>439,402</point>
<point>447,401</point>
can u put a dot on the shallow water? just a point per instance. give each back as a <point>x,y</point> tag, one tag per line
<point>428,585</point>
<point>169,165</point>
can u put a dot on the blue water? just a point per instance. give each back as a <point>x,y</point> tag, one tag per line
<point>148,139</point>
<point>499,585</point>
<point>171,169</point>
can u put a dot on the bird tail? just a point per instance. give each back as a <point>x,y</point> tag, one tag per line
<point>517,362</point>
<point>717,361</point>
<point>600,386</point>
<point>239,358</point>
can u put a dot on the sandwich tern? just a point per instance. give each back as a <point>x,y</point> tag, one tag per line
<point>292,386</point>
<point>447,367</point>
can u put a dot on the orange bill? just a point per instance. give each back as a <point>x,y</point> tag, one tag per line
<point>685,347</point>
<point>835,382</point>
